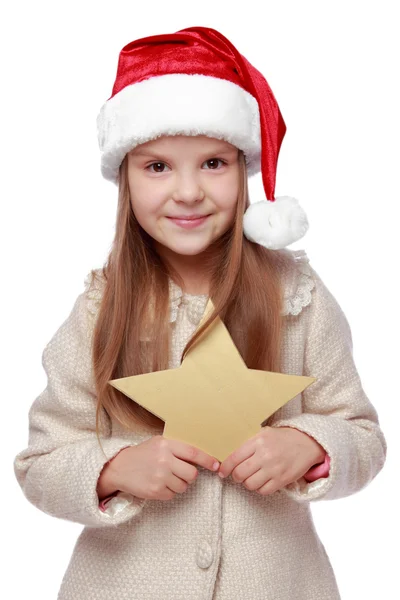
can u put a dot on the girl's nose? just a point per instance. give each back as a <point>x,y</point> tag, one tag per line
<point>187,189</point>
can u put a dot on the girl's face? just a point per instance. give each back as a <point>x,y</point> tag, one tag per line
<point>174,177</point>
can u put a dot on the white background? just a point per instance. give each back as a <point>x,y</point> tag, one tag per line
<point>334,72</point>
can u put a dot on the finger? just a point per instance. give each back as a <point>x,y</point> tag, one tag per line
<point>246,469</point>
<point>193,455</point>
<point>176,484</point>
<point>269,488</point>
<point>184,470</point>
<point>256,481</point>
<point>166,494</point>
<point>238,456</point>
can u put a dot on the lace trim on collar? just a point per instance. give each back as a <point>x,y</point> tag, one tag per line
<point>94,286</point>
<point>194,304</point>
<point>298,293</point>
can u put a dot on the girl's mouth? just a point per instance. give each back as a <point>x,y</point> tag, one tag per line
<point>189,223</point>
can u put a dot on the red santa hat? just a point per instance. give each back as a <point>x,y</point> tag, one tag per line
<point>195,82</point>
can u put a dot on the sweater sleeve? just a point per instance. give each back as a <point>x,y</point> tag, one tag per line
<point>59,470</point>
<point>335,409</point>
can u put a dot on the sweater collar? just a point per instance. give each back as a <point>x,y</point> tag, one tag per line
<point>193,304</point>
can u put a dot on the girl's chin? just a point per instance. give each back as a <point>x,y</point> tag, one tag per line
<point>187,249</point>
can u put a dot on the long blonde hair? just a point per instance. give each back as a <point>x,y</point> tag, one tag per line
<point>245,289</point>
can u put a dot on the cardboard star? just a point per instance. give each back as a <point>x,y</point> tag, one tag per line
<point>212,401</point>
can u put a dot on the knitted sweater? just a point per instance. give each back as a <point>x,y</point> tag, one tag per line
<point>218,540</point>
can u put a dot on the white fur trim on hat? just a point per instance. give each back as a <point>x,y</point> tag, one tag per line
<point>275,224</point>
<point>178,104</point>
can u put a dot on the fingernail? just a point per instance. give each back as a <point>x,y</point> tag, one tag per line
<point>221,475</point>
<point>215,466</point>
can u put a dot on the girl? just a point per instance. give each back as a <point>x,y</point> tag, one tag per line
<point>188,120</point>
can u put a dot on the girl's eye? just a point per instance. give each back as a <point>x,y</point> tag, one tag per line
<point>211,162</point>
<point>157,165</point>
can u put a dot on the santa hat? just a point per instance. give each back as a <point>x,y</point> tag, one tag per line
<point>195,82</point>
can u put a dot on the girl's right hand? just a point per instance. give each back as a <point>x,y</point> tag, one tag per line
<point>155,469</point>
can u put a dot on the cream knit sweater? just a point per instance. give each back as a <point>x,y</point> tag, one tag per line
<point>217,541</point>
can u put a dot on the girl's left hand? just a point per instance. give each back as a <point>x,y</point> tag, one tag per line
<point>272,459</point>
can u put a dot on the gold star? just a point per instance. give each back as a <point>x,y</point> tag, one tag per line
<point>212,401</point>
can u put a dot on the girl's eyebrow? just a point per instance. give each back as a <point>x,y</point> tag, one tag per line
<point>160,156</point>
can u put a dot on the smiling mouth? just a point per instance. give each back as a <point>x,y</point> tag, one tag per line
<point>189,222</point>
<point>188,218</point>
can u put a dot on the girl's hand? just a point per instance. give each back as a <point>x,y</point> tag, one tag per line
<point>156,469</point>
<point>272,459</point>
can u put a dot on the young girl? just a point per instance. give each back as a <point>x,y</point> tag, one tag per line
<point>188,120</point>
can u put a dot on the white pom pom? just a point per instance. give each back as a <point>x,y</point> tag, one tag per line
<point>275,224</point>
